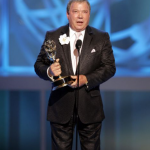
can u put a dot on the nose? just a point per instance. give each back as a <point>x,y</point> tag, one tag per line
<point>80,15</point>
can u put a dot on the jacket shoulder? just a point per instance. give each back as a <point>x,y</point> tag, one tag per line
<point>96,31</point>
<point>57,30</point>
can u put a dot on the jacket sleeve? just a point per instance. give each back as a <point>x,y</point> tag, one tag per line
<point>107,67</point>
<point>42,63</point>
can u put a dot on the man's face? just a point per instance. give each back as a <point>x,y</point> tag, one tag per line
<point>79,16</point>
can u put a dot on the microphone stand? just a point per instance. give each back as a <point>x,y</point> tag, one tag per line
<point>77,94</point>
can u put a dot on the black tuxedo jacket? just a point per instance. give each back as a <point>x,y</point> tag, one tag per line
<point>96,63</point>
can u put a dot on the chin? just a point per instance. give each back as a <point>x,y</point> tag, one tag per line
<point>80,29</point>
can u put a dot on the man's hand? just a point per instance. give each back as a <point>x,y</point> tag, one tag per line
<point>54,69</point>
<point>82,81</point>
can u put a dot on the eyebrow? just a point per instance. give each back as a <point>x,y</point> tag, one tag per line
<point>79,10</point>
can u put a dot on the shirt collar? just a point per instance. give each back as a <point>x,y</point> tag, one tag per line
<point>71,32</point>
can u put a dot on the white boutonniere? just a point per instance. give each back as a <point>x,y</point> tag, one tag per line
<point>63,39</point>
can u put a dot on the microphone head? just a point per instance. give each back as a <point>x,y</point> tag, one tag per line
<point>78,44</point>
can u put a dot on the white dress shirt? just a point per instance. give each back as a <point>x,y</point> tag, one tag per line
<point>72,46</point>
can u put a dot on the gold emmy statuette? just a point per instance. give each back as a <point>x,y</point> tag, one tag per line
<point>58,82</point>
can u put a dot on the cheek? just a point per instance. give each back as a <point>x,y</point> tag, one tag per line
<point>87,20</point>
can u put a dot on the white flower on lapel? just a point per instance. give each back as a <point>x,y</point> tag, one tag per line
<point>63,39</point>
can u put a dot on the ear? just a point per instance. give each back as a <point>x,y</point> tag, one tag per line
<point>67,14</point>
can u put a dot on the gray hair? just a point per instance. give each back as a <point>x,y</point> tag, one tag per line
<point>80,1</point>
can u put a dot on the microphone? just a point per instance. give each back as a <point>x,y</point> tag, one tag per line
<point>78,44</point>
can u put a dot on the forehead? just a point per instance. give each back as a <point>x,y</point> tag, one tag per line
<point>78,5</point>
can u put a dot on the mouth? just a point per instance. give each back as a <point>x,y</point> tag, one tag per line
<point>79,22</point>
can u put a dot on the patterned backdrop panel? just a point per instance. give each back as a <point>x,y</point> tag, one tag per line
<point>23,24</point>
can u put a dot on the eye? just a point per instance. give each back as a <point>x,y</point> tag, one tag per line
<point>85,11</point>
<point>75,11</point>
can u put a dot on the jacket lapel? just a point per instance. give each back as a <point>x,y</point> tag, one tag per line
<point>86,48</point>
<point>66,51</point>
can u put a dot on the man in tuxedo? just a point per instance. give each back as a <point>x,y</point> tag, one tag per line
<point>97,65</point>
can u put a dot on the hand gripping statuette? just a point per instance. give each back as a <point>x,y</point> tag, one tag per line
<point>59,81</point>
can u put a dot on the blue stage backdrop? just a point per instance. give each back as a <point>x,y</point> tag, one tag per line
<point>23,24</point>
